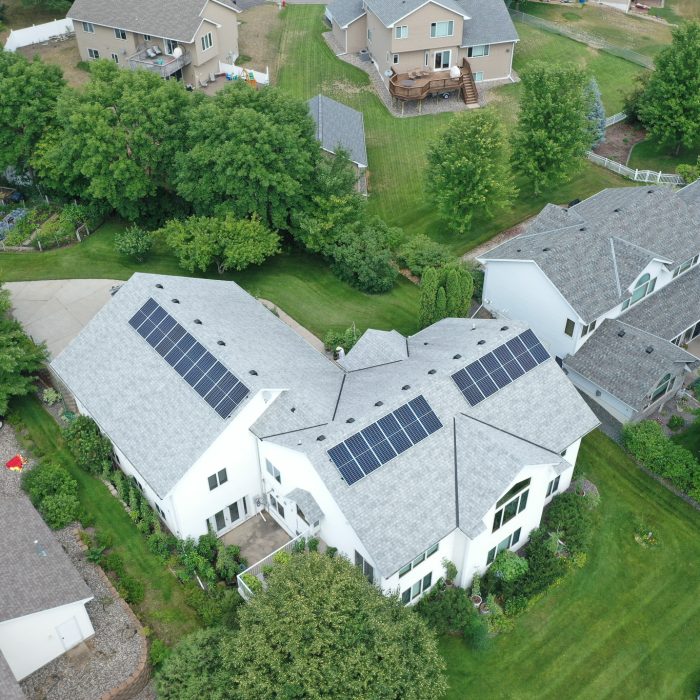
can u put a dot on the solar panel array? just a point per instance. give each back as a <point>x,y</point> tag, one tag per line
<point>380,442</point>
<point>500,367</point>
<point>219,387</point>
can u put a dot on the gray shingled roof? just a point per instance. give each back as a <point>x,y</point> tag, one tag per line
<point>158,421</point>
<point>390,11</point>
<point>29,580</point>
<point>9,687</point>
<point>671,310</point>
<point>339,126</point>
<point>375,348</point>
<point>307,503</point>
<point>622,366</point>
<point>489,23</point>
<point>410,503</point>
<point>607,242</point>
<point>346,11</point>
<point>175,19</point>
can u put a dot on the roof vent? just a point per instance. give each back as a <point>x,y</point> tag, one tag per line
<point>198,322</point>
<point>617,209</point>
<point>621,333</point>
<point>350,420</point>
<point>519,250</point>
<point>650,191</point>
<point>405,387</point>
<point>457,357</point>
<point>481,342</point>
<point>649,349</point>
<point>175,301</point>
<point>425,343</point>
<point>379,403</point>
<point>598,392</point>
<point>583,228</point>
<point>293,409</point>
<point>544,250</point>
<point>432,371</point>
<point>504,328</point>
<point>220,342</point>
<point>321,438</point>
<point>159,286</point>
<point>253,372</point>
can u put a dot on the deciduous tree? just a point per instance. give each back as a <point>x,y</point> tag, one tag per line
<point>468,173</point>
<point>553,131</point>
<point>670,105</point>
<point>29,91</point>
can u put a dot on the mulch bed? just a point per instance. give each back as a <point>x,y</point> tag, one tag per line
<point>618,142</point>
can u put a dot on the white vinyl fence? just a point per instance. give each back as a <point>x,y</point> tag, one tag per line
<point>260,78</point>
<point>636,175</point>
<point>615,119</point>
<point>58,30</point>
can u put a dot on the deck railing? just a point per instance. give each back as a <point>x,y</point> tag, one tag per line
<point>164,65</point>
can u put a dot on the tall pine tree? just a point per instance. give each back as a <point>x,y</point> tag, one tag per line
<point>428,297</point>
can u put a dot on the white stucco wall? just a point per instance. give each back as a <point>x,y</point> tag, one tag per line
<point>31,641</point>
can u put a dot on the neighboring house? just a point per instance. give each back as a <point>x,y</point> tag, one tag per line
<point>42,606</point>
<point>182,39</point>
<point>339,126</point>
<point>387,455</point>
<point>404,35</point>
<point>612,286</point>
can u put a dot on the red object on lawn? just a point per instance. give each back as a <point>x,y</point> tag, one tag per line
<point>16,463</point>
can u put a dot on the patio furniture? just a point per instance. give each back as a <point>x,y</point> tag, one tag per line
<point>203,83</point>
<point>212,78</point>
<point>150,53</point>
<point>156,50</point>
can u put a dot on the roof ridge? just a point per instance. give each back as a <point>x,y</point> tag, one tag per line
<point>653,335</point>
<point>638,247</point>
<point>614,260</point>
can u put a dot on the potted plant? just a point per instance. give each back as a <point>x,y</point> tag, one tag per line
<point>450,571</point>
<point>476,591</point>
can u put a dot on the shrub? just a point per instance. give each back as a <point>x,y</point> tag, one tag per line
<point>345,339</point>
<point>544,568</point>
<point>160,544</point>
<point>54,493</point>
<point>92,451</point>
<point>446,609</point>
<point>114,563</point>
<point>331,551</point>
<point>421,252</point>
<point>208,545</point>
<point>450,570</point>
<point>50,396</point>
<point>476,632</point>
<point>515,606</point>
<point>312,544</point>
<point>94,554</point>
<point>133,242</point>
<point>508,566</point>
<point>60,509</point>
<point>282,557</point>
<point>217,606</point>
<point>299,546</point>
<point>131,589</point>
<point>253,582</point>
<point>228,561</point>
<point>569,515</point>
<point>676,422</point>
<point>158,652</point>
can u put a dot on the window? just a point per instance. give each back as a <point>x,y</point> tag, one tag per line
<point>406,596</point>
<point>120,33</point>
<point>476,51</point>
<point>442,59</point>
<point>369,35</point>
<point>364,566</point>
<point>115,58</point>
<point>478,76</point>
<point>663,387</point>
<point>245,506</point>
<point>511,506</point>
<point>395,59</point>
<point>273,471</point>
<point>300,513</point>
<point>552,487</point>
<point>207,41</point>
<point>420,586</point>
<point>569,327</point>
<point>401,32</point>
<point>146,37</point>
<point>220,520</point>
<point>645,285</point>
<point>439,29</point>
<point>89,27</point>
<point>93,54</point>
<point>685,266</point>
<point>504,544</point>
<point>216,480</point>
<point>233,512</point>
<point>419,559</point>
<point>170,46</point>
<point>588,329</point>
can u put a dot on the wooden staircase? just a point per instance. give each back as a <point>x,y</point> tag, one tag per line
<point>467,86</point>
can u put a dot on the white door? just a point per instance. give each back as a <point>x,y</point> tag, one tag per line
<point>70,633</point>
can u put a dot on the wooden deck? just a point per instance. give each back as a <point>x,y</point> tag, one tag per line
<point>421,83</point>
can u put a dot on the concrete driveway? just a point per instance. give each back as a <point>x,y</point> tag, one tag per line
<point>55,311</point>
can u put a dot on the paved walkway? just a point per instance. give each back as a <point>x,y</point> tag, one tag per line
<point>55,311</point>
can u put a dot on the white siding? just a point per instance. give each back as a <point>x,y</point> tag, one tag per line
<point>31,641</point>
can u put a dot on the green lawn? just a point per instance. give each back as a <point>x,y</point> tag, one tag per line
<point>301,285</point>
<point>164,609</point>
<point>19,15</point>
<point>690,438</point>
<point>618,28</point>
<point>648,155</point>
<point>396,147</point>
<point>676,11</point>
<point>625,626</point>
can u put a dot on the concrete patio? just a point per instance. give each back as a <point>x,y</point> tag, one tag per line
<point>257,537</point>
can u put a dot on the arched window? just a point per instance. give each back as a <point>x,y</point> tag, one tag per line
<point>644,278</point>
<point>662,388</point>
<point>645,285</point>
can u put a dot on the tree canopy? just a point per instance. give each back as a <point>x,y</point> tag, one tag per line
<point>468,173</point>
<point>445,292</point>
<point>227,242</point>
<point>20,358</point>
<point>320,630</point>
<point>669,108</point>
<point>553,131</point>
<point>115,140</point>
<point>29,92</point>
<point>249,152</point>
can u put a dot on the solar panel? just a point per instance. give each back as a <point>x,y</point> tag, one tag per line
<point>378,443</point>
<point>219,387</point>
<point>500,367</point>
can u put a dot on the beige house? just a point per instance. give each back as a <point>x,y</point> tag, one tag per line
<point>181,39</point>
<point>415,43</point>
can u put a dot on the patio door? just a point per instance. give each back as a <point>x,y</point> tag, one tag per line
<point>228,517</point>
<point>442,59</point>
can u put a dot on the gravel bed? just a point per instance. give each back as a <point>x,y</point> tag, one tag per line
<point>9,447</point>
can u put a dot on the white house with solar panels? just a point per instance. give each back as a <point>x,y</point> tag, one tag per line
<point>447,443</point>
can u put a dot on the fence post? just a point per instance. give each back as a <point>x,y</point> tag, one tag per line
<point>658,179</point>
